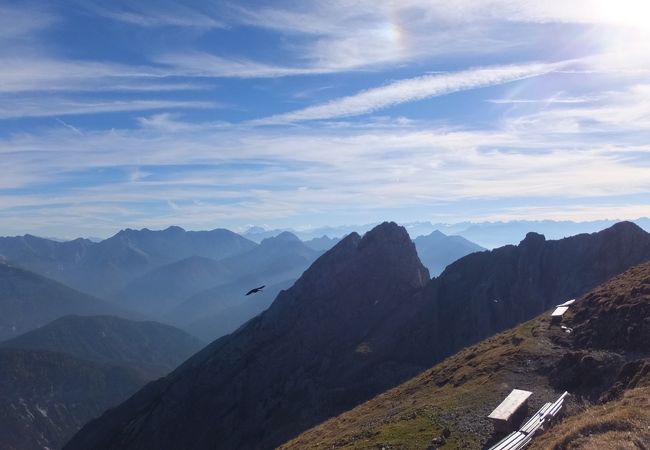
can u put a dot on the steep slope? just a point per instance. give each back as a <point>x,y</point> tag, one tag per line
<point>437,250</point>
<point>28,300</point>
<point>299,362</point>
<point>359,321</point>
<point>167,286</point>
<point>151,348</point>
<point>47,397</point>
<point>609,381</point>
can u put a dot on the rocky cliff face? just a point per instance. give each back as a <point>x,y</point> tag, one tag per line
<point>364,317</point>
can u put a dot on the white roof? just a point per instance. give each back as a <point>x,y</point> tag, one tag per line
<point>568,302</point>
<point>559,311</point>
<point>510,404</point>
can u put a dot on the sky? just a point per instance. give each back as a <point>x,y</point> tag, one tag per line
<point>207,114</point>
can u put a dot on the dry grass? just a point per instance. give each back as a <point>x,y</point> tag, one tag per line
<point>621,424</point>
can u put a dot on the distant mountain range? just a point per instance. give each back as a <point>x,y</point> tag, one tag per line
<point>57,377</point>
<point>486,234</point>
<point>437,250</point>
<point>157,272</point>
<point>29,300</point>
<point>104,267</point>
<point>363,318</point>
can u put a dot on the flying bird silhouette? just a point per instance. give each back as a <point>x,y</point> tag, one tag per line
<point>256,290</point>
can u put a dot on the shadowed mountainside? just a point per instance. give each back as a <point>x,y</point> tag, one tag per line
<point>47,396</point>
<point>151,348</point>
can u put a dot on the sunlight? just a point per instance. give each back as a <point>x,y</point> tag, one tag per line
<point>630,13</point>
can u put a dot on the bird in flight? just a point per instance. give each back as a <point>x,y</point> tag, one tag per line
<point>256,290</point>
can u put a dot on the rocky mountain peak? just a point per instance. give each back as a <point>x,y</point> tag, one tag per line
<point>532,239</point>
<point>174,229</point>
<point>285,236</point>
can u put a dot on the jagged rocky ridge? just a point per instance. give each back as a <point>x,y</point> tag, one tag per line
<point>363,318</point>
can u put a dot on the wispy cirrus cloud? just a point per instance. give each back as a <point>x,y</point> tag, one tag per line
<point>414,89</point>
<point>158,13</point>
<point>63,106</point>
<point>19,23</point>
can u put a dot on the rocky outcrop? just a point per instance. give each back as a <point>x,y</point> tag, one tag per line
<point>616,316</point>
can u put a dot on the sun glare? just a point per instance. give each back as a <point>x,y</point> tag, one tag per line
<point>629,13</point>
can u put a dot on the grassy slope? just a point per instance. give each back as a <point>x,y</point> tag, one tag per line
<point>460,392</point>
<point>620,424</point>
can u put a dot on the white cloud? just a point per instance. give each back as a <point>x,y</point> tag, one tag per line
<point>22,23</point>
<point>414,89</point>
<point>158,13</point>
<point>201,64</point>
<point>62,106</point>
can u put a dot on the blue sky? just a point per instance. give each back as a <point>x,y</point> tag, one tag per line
<point>305,113</point>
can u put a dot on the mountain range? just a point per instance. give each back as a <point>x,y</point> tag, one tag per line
<point>362,319</point>
<point>437,250</point>
<point>486,234</point>
<point>102,268</point>
<point>29,300</point>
